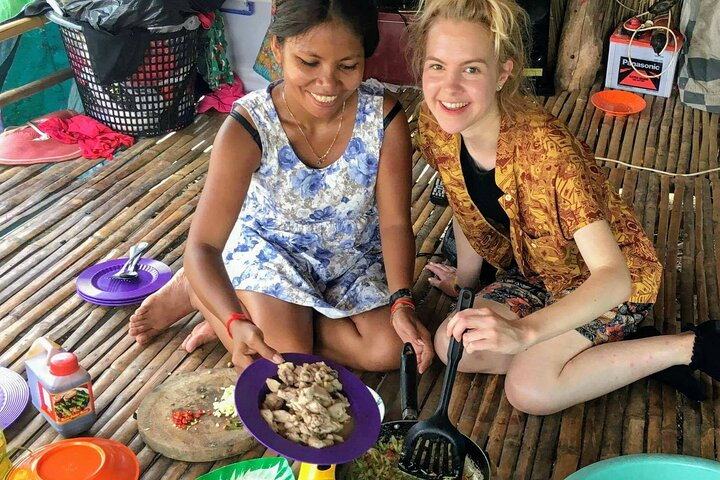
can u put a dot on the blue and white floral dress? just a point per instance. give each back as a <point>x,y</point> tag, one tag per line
<point>311,236</point>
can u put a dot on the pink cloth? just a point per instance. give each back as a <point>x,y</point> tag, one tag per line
<point>222,98</point>
<point>94,139</point>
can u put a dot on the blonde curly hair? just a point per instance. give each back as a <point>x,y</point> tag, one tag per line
<point>508,23</point>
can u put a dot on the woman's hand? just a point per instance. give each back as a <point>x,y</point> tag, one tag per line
<point>410,329</point>
<point>444,279</point>
<point>248,344</point>
<point>483,329</point>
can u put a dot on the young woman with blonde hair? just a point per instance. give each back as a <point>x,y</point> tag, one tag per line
<point>576,270</point>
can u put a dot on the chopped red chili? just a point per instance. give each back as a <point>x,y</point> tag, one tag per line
<point>184,418</point>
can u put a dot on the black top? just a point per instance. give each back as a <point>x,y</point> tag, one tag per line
<point>483,191</point>
<point>256,136</point>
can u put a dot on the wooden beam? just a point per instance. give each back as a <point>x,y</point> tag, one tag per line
<point>32,88</point>
<point>581,45</point>
<point>18,27</point>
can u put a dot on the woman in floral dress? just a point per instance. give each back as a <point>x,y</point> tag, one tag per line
<point>303,229</point>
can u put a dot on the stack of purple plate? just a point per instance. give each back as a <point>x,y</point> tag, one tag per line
<point>14,394</point>
<point>96,285</point>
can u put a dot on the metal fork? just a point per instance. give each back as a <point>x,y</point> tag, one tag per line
<point>129,270</point>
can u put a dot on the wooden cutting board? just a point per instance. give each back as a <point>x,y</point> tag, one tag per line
<point>205,441</point>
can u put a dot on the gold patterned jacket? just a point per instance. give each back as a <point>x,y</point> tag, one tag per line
<point>552,187</point>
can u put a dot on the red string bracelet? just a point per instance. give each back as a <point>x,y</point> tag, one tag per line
<point>232,318</point>
<point>402,303</point>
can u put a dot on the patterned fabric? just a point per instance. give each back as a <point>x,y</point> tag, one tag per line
<point>265,64</point>
<point>552,188</point>
<point>526,295</point>
<point>311,236</point>
<point>217,67</point>
<point>699,78</point>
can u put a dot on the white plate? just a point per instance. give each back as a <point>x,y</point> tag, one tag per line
<point>380,403</point>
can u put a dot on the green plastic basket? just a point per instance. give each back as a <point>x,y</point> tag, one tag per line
<point>650,466</point>
<point>273,469</point>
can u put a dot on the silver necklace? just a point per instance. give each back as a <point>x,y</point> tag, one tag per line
<point>320,158</point>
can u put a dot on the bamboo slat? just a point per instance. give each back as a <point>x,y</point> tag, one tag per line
<point>569,442</point>
<point>545,452</point>
<point>57,219</point>
<point>593,431</point>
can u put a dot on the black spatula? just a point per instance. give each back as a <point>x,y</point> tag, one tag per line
<point>434,448</point>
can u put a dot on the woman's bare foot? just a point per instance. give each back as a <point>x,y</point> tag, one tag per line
<point>200,335</point>
<point>161,309</point>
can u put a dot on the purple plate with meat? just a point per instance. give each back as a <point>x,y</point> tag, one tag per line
<point>251,390</point>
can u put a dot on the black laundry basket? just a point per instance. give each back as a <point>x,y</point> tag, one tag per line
<point>157,98</point>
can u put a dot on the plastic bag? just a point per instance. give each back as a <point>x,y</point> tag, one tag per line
<point>115,15</point>
<point>259,469</point>
<point>10,8</point>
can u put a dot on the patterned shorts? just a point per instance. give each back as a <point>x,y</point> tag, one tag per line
<point>526,295</point>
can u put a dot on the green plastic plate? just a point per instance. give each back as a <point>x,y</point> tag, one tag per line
<point>259,469</point>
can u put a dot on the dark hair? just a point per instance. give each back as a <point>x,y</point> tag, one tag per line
<point>295,17</point>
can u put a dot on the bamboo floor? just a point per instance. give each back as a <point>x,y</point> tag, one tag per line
<point>56,220</point>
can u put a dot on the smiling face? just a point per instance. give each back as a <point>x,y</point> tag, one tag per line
<point>461,75</point>
<point>321,68</point>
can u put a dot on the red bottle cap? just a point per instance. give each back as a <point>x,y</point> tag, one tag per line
<point>64,363</point>
<point>633,23</point>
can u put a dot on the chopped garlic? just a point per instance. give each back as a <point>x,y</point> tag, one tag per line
<point>226,406</point>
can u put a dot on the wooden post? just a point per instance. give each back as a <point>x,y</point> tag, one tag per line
<point>581,44</point>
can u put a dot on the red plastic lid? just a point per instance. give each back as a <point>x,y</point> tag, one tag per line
<point>79,459</point>
<point>71,461</point>
<point>633,22</point>
<point>64,363</point>
<point>618,102</point>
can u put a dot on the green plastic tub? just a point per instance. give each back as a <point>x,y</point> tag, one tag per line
<point>650,466</point>
<point>259,469</point>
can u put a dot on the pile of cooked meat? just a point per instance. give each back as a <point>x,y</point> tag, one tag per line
<point>305,405</point>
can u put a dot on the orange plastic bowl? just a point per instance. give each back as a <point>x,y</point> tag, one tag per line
<point>618,102</point>
<point>79,459</point>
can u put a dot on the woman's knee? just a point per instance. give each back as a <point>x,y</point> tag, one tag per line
<point>530,394</point>
<point>288,336</point>
<point>476,362</point>
<point>441,342</point>
<point>287,340</point>
<point>381,355</point>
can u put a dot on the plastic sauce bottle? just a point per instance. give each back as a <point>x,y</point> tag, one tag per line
<point>60,388</point>
<point>5,464</point>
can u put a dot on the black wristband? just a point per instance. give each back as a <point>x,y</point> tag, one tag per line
<point>402,293</point>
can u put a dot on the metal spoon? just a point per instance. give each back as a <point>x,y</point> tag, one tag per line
<point>129,270</point>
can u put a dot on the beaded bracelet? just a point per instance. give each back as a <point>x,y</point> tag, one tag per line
<point>233,317</point>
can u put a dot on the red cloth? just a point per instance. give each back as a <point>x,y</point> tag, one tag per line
<point>94,139</point>
<point>206,19</point>
<point>222,98</point>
